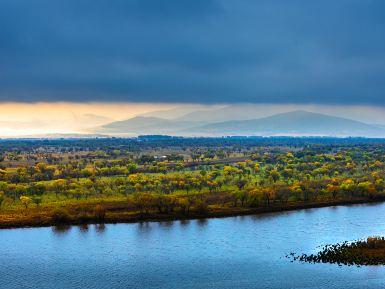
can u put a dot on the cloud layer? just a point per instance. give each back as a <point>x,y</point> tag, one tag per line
<point>201,51</point>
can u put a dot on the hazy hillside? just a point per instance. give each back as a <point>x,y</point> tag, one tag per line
<point>232,112</point>
<point>292,123</point>
<point>146,125</point>
<point>180,112</point>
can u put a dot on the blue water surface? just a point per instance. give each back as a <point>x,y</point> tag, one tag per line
<point>236,252</point>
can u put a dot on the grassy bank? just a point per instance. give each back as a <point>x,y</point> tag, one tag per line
<point>121,212</point>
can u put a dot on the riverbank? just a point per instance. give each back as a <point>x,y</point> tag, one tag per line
<point>118,212</point>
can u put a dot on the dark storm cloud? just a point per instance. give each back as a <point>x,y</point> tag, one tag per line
<point>206,51</point>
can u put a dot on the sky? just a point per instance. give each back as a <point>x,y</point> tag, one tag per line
<point>157,53</point>
<point>42,118</point>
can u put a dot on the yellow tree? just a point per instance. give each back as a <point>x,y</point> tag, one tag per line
<point>25,201</point>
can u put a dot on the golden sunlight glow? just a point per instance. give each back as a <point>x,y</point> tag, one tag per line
<point>42,118</point>
<point>25,119</point>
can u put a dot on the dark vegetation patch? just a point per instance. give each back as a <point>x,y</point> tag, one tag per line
<point>360,253</point>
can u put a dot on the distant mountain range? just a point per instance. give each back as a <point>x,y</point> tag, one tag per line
<point>147,125</point>
<point>294,123</point>
<point>199,123</point>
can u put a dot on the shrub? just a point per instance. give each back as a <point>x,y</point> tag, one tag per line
<point>61,216</point>
<point>36,200</point>
<point>2,197</point>
<point>100,213</point>
<point>143,202</point>
<point>184,205</point>
<point>201,206</point>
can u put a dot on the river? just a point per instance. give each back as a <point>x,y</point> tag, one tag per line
<point>236,252</point>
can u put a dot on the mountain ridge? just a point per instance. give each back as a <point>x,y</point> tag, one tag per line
<point>144,124</point>
<point>296,122</point>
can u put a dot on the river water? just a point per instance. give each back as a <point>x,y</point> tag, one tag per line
<point>236,252</point>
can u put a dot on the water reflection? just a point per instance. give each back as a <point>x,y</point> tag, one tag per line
<point>100,228</point>
<point>61,229</point>
<point>144,227</point>
<point>84,228</point>
<point>166,224</point>
<point>184,223</point>
<point>202,222</point>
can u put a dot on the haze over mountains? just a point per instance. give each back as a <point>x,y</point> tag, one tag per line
<point>233,120</point>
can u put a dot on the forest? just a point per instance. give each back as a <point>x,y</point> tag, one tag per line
<point>45,182</point>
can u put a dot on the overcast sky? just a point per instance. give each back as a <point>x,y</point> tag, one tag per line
<point>193,51</point>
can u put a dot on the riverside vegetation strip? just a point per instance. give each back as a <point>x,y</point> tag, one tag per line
<point>45,182</point>
<point>360,253</point>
